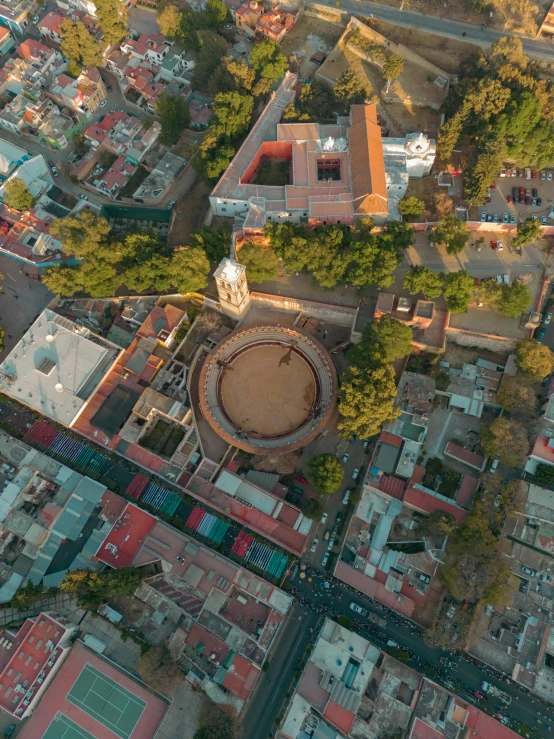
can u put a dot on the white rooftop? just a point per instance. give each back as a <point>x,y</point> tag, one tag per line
<point>229,271</point>
<point>56,367</point>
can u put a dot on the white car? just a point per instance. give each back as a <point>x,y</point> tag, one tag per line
<point>325,559</point>
<point>345,458</point>
<point>103,103</point>
<point>548,319</point>
<point>549,176</point>
<point>331,543</point>
<point>324,517</point>
<point>499,246</point>
<point>54,171</point>
<point>346,497</point>
<point>506,279</point>
<point>355,473</point>
<point>36,19</point>
<point>83,196</point>
<point>358,609</point>
<point>314,545</point>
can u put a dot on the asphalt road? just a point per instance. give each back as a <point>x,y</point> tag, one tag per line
<point>271,693</point>
<point>466,678</point>
<point>540,48</point>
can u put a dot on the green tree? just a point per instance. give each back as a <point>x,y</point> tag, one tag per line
<point>211,49</point>
<point>392,68</point>
<point>438,523</point>
<point>545,474</point>
<point>411,207</point>
<point>94,588</point>
<point>189,269</point>
<point>507,439</point>
<point>451,233</point>
<point>356,496</point>
<point>16,194</point>
<point>170,21</point>
<point>27,595</point>
<point>457,291</point>
<point>84,235</point>
<point>387,339</point>
<point>514,299</point>
<point>366,400</point>
<point>325,474</point>
<point>174,116</point>
<point>449,134</point>
<point>313,509</point>
<point>215,723</point>
<point>267,60</point>
<point>420,279</point>
<point>214,241</point>
<point>78,45</point>
<point>217,13</point>
<point>350,89</point>
<point>212,164</point>
<point>232,113</point>
<point>534,360</point>
<point>112,15</point>
<point>261,262</point>
<point>527,231</point>
<point>517,397</point>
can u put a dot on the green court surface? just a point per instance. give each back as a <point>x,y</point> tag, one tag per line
<point>64,728</point>
<point>99,696</point>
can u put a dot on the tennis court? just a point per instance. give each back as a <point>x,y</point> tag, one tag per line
<point>99,696</point>
<point>64,728</point>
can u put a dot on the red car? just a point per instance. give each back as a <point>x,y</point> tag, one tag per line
<point>302,480</point>
<point>510,199</point>
<point>494,244</point>
<point>521,192</point>
<point>479,697</point>
<point>533,175</point>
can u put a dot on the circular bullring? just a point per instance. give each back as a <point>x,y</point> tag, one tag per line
<point>267,388</point>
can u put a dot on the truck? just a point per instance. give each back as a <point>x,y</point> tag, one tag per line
<point>496,692</point>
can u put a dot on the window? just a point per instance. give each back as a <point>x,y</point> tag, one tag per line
<point>28,660</point>
<point>36,666</point>
<point>20,655</point>
<point>39,644</point>
<point>31,639</point>
<point>10,672</point>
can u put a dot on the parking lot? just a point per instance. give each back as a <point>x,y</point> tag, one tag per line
<point>501,210</point>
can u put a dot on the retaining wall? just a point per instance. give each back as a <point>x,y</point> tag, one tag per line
<point>493,343</point>
<point>337,314</point>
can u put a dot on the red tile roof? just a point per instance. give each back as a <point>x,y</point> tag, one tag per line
<point>467,490</point>
<point>122,544</point>
<point>392,486</point>
<point>52,22</point>
<point>340,717</point>
<point>369,186</point>
<point>427,503</point>
<point>484,726</point>
<point>241,677</point>
<point>32,49</point>
<point>391,439</point>
<point>464,455</point>
<point>542,450</point>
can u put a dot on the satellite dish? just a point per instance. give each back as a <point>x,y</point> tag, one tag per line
<point>59,387</point>
<point>49,338</point>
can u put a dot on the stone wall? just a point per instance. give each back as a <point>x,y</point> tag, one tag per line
<point>336,314</point>
<point>493,343</point>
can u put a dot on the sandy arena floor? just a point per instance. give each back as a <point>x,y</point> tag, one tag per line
<point>268,390</point>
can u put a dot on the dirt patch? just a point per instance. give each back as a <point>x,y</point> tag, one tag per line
<point>409,118</point>
<point>446,53</point>
<point>304,39</point>
<point>458,355</point>
<point>190,214</point>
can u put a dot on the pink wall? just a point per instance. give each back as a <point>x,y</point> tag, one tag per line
<point>270,149</point>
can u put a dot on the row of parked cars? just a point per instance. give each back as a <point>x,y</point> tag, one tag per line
<point>527,172</point>
<point>506,218</point>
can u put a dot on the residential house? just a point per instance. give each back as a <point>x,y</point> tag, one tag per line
<point>122,134</point>
<point>162,177</point>
<point>6,41</point>
<point>14,14</point>
<point>275,23</point>
<point>174,66</point>
<point>34,51</point>
<point>248,15</point>
<point>116,177</point>
<point>546,29</point>
<point>148,49</point>
<point>50,27</point>
<point>29,660</point>
<point>83,95</point>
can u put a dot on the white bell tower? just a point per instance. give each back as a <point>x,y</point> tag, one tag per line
<point>232,287</point>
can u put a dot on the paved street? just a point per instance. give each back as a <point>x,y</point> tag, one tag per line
<point>540,48</point>
<point>463,681</point>
<point>271,692</point>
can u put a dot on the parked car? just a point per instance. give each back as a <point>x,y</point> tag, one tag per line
<point>479,697</point>
<point>314,545</point>
<point>521,191</point>
<point>55,171</point>
<point>515,192</point>
<point>533,175</point>
<point>302,480</point>
<point>527,200</point>
<point>495,218</point>
<point>327,535</point>
<point>539,202</point>
<point>534,217</point>
<point>512,218</point>
<point>528,570</point>
<point>534,201</point>
<point>527,192</point>
<point>297,491</point>
<point>505,218</point>
<point>353,439</point>
<point>489,218</point>
<point>506,279</point>
<point>358,609</point>
<point>83,196</point>
<point>331,543</point>
<point>345,458</point>
<point>535,192</point>
<point>499,246</point>
<point>494,245</point>
<point>549,176</point>
<point>510,199</point>
<point>543,220</point>
<point>36,19</point>
<point>292,499</point>
<point>9,731</point>
<point>325,559</point>
<point>171,204</point>
<point>355,473</point>
<point>365,443</point>
<point>338,519</point>
<point>542,333</point>
<point>483,217</point>
<point>543,175</point>
<point>346,497</point>
<point>324,517</point>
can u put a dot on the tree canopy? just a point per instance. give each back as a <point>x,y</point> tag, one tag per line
<point>159,670</point>
<point>534,360</point>
<point>545,474</point>
<point>527,231</point>
<point>421,279</point>
<point>451,233</point>
<point>16,194</point>
<point>260,261</point>
<point>366,400</point>
<point>411,207</point>
<point>112,15</point>
<point>507,439</point>
<point>350,88</point>
<point>78,45</point>
<point>174,116</point>
<point>514,299</point>
<point>384,341</point>
<point>503,108</point>
<point>457,291</point>
<point>94,588</point>
<point>325,474</point>
<point>517,397</point>
<point>313,509</point>
<point>438,523</point>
